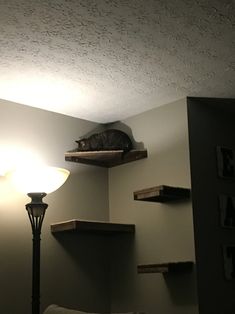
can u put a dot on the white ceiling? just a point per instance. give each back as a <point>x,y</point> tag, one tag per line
<point>106,60</point>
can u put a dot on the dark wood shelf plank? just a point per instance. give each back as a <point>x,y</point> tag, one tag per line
<point>107,158</point>
<point>162,193</point>
<point>171,268</point>
<point>81,226</point>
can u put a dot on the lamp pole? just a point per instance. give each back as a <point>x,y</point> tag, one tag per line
<point>36,211</point>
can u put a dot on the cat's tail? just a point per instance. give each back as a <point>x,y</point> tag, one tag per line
<point>125,152</point>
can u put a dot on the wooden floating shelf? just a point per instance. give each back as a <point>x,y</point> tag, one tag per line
<point>87,226</point>
<point>107,159</point>
<point>171,268</point>
<point>162,193</point>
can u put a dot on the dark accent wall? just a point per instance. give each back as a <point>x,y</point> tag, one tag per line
<point>212,160</point>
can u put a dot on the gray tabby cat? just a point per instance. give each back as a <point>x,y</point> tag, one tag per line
<point>107,140</point>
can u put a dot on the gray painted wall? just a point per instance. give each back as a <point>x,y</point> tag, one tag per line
<point>74,269</point>
<point>164,232</point>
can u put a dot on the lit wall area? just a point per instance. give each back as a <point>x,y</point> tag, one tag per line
<point>69,276</point>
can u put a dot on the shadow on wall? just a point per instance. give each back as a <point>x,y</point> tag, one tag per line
<point>84,283</point>
<point>123,284</point>
<point>98,129</point>
<point>182,288</point>
<point>101,263</point>
<point>125,128</point>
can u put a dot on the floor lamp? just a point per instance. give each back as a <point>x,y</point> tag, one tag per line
<point>37,183</point>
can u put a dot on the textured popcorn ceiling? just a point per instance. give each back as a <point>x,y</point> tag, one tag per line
<point>106,60</point>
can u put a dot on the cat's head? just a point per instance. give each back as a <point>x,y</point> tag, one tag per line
<point>83,145</point>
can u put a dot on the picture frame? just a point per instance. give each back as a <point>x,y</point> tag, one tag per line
<point>227,211</point>
<point>229,261</point>
<point>225,162</point>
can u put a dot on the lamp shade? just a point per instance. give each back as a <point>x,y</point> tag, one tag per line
<point>38,179</point>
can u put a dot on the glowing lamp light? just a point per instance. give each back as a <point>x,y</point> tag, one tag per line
<point>38,179</point>
<point>37,182</point>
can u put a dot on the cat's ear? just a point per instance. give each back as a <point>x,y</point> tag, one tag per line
<point>79,139</point>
